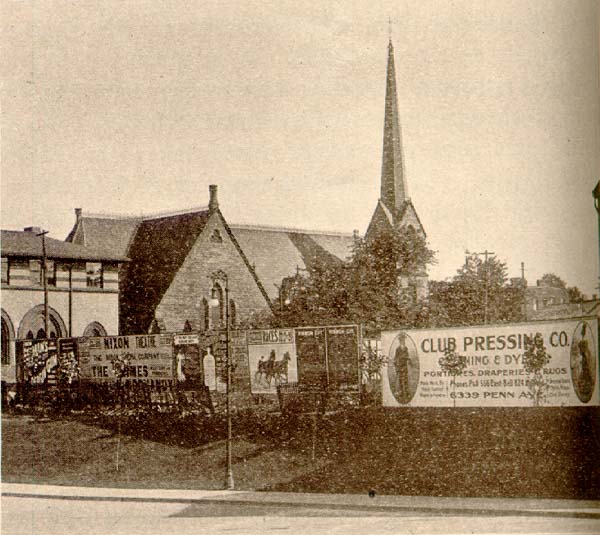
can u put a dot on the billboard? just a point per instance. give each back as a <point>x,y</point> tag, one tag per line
<point>312,356</point>
<point>271,359</point>
<point>327,355</point>
<point>342,355</point>
<point>136,358</point>
<point>494,375</point>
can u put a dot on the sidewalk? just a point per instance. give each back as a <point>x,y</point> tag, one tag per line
<point>421,504</point>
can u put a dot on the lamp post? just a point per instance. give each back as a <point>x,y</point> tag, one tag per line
<point>221,276</point>
<point>596,194</point>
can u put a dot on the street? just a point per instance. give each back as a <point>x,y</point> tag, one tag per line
<point>54,516</point>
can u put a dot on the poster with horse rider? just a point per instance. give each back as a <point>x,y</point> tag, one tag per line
<point>272,359</point>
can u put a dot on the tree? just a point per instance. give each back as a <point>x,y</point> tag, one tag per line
<point>575,295</point>
<point>535,358</point>
<point>366,289</point>
<point>478,293</point>
<point>378,266</point>
<point>550,279</point>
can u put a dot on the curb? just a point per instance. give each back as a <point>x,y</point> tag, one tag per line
<point>436,511</point>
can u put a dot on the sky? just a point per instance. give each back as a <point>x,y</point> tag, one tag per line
<point>136,107</point>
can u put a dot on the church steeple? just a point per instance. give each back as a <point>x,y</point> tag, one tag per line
<point>394,191</point>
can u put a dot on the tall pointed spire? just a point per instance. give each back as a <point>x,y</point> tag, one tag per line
<point>394,191</point>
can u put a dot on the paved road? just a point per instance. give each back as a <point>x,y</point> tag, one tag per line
<point>52,516</point>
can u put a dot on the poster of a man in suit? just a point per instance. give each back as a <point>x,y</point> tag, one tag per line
<point>583,363</point>
<point>403,368</point>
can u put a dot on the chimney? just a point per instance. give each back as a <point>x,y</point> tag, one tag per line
<point>213,203</point>
<point>77,214</point>
<point>355,235</point>
<point>33,230</point>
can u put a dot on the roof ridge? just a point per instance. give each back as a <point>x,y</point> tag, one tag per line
<point>145,217</point>
<point>278,228</point>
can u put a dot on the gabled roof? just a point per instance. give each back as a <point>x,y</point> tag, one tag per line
<point>276,253</point>
<point>157,250</point>
<point>28,244</point>
<point>105,232</point>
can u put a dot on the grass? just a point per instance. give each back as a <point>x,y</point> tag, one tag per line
<point>542,452</point>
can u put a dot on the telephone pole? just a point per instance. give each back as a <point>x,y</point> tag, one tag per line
<point>45,282</point>
<point>486,253</point>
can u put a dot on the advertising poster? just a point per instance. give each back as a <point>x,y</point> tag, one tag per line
<point>136,358</point>
<point>38,361</point>
<point>271,359</point>
<point>342,355</point>
<point>494,375</point>
<point>188,369</point>
<point>68,361</point>
<point>311,355</point>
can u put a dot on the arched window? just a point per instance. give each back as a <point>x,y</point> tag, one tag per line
<point>5,343</point>
<point>205,315</point>
<point>232,313</point>
<point>218,312</point>
<point>215,237</point>
<point>94,329</point>
<point>187,326</point>
<point>33,324</point>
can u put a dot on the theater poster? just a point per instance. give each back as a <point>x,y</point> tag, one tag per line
<point>271,359</point>
<point>144,358</point>
<point>494,375</point>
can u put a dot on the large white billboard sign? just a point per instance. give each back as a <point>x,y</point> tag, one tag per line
<point>494,375</point>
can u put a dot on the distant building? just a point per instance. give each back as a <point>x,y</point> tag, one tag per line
<point>83,289</point>
<point>394,208</point>
<point>545,302</point>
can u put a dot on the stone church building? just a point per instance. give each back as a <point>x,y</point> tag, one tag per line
<point>167,284</point>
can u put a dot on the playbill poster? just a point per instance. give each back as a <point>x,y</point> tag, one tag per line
<point>272,359</point>
<point>494,374</point>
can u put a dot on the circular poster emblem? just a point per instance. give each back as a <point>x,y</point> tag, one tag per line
<point>403,368</point>
<point>583,363</point>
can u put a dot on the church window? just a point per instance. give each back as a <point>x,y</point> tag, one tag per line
<point>205,315</point>
<point>232,312</point>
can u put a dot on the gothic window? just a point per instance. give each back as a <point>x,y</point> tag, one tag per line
<point>215,237</point>
<point>205,315</point>
<point>187,326</point>
<point>218,312</point>
<point>232,313</point>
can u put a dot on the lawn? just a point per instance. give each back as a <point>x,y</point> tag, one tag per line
<point>541,452</point>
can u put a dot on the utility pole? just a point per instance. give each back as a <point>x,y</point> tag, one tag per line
<point>45,282</point>
<point>486,253</point>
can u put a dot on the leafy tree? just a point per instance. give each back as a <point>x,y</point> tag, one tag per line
<point>366,289</point>
<point>376,270</point>
<point>535,358</point>
<point>478,292</point>
<point>575,295</point>
<point>550,279</point>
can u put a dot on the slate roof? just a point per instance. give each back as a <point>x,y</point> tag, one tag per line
<point>276,253</point>
<point>157,251</point>
<point>106,233</point>
<point>28,244</point>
